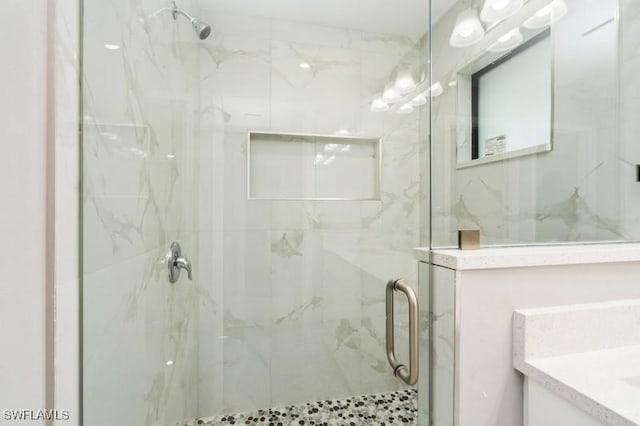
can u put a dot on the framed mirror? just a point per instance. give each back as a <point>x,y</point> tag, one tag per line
<point>505,99</point>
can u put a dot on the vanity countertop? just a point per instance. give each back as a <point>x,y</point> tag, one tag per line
<point>527,256</point>
<point>604,383</point>
<point>588,354</point>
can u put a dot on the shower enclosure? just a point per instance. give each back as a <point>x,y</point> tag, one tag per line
<point>263,149</point>
<point>254,172</point>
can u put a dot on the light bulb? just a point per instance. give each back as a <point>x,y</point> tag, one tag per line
<point>545,10</point>
<point>405,109</point>
<point>379,105</point>
<point>468,29</point>
<point>500,4</point>
<point>508,41</point>
<point>497,10</point>
<point>390,94</point>
<point>420,99</point>
<point>466,32</point>
<point>547,15</point>
<point>405,82</point>
<point>436,89</point>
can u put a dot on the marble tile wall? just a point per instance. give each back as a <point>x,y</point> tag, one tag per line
<point>140,185</point>
<point>585,189</point>
<point>293,291</point>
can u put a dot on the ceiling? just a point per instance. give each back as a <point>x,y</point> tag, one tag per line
<point>398,17</point>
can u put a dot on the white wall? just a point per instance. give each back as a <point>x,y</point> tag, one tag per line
<point>65,33</point>
<point>22,209</point>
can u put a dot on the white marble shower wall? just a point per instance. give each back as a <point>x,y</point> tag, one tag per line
<point>293,291</point>
<point>585,189</point>
<point>140,183</point>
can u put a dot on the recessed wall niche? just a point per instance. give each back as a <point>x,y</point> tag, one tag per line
<point>287,166</point>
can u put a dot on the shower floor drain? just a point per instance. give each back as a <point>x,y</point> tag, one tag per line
<point>393,408</point>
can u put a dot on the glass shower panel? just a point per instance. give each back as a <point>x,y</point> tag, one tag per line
<point>140,193</point>
<point>294,309</point>
<point>576,184</point>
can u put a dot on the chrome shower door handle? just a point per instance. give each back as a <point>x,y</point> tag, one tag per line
<point>409,375</point>
<point>176,262</point>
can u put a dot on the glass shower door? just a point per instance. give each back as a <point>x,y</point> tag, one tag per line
<point>310,217</point>
<point>140,195</point>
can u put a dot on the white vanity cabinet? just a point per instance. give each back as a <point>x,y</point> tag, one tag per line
<point>545,408</point>
<point>472,296</point>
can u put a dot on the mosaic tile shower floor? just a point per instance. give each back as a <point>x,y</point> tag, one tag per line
<point>394,408</point>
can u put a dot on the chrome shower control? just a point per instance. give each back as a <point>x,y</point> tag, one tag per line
<point>175,262</point>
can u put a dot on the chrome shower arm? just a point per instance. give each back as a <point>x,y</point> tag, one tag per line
<point>158,12</point>
<point>175,11</point>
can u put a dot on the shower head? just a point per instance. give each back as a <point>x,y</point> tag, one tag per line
<point>202,29</point>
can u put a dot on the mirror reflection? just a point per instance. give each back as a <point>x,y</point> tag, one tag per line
<point>504,57</point>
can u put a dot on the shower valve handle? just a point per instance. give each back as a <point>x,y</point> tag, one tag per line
<point>176,262</point>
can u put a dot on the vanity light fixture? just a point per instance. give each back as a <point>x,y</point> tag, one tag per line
<point>405,109</point>
<point>405,82</point>
<point>390,94</point>
<point>468,29</point>
<point>546,16</point>
<point>497,10</point>
<point>304,66</point>
<point>170,362</point>
<point>110,46</point>
<point>507,42</point>
<point>436,89</point>
<point>379,104</point>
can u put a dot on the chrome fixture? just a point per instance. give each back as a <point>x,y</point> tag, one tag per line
<point>176,262</point>
<point>409,375</point>
<point>202,29</point>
